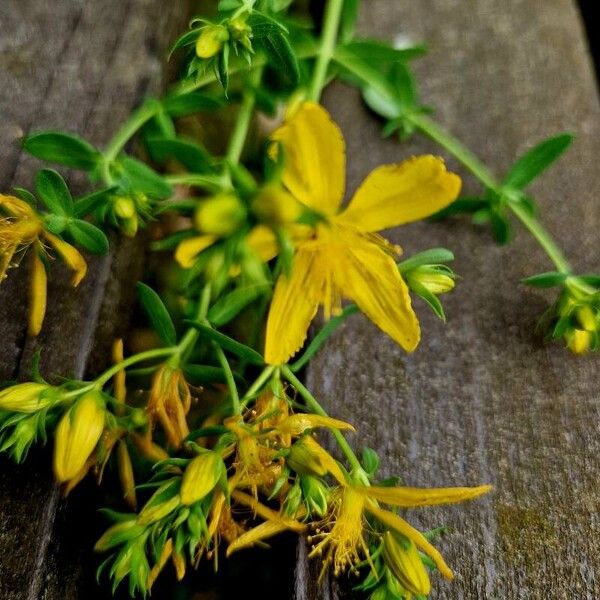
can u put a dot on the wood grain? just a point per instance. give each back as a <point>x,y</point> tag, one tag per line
<point>483,399</point>
<point>81,67</point>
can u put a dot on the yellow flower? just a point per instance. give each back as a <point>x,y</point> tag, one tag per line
<point>169,403</point>
<point>77,435</point>
<point>19,229</point>
<point>346,258</point>
<point>343,541</point>
<point>210,41</point>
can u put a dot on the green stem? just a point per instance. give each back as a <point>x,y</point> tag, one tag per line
<point>131,360</point>
<point>191,335</point>
<point>331,24</point>
<point>257,385</point>
<point>244,118</point>
<point>542,236</point>
<point>314,405</point>
<point>135,122</point>
<point>447,141</point>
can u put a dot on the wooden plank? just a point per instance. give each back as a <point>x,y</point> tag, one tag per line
<point>483,399</point>
<point>81,67</point>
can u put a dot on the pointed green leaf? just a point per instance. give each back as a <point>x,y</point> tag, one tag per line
<point>157,313</point>
<point>233,303</point>
<point>536,160</point>
<point>193,156</point>
<point>88,236</point>
<point>53,192</point>
<point>62,148</point>
<point>241,350</point>
<point>545,280</point>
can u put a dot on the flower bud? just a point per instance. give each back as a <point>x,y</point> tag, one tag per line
<point>220,215</point>
<point>587,318</point>
<point>579,341</point>
<point>25,398</point>
<point>404,561</point>
<point>124,207</point>
<point>200,477</point>
<point>315,495</point>
<point>77,435</point>
<point>435,281</point>
<point>155,509</point>
<point>292,500</point>
<point>302,459</point>
<point>211,41</point>
<point>118,534</point>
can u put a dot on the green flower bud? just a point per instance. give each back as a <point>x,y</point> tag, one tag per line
<point>220,215</point>
<point>315,494</point>
<point>124,207</point>
<point>211,41</point>
<point>292,500</point>
<point>587,318</point>
<point>403,559</point>
<point>302,459</point>
<point>579,341</point>
<point>436,281</point>
<point>119,534</point>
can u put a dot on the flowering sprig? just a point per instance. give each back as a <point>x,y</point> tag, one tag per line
<point>211,431</point>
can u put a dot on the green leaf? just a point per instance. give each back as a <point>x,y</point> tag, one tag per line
<point>187,39</point>
<point>590,279</point>
<point>142,178</point>
<point>88,236</point>
<point>500,227</point>
<point>545,280</point>
<point>433,256</point>
<point>431,299</point>
<point>464,205</point>
<point>222,68</point>
<point>24,195</point>
<point>53,192</point>
<point>87,204</point>
<point>281,55</point>
<point>64,149</point>
<point>232,304</point>
<point>157,313</point>
<point>375,53</point>
<point>370,461</point>
<point>181,105</point>
<point>323,336</point>
<point>348,20</point>
<point>244,352</point>
<point>536,160</point>
<point>189,154</point>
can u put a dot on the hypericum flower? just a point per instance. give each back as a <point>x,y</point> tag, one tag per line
<point>20,228</point>
<point>77,435</point>
<point>343,542</point>
<point>169,403</point>
<point>210,41</point>
<point>345,258</point>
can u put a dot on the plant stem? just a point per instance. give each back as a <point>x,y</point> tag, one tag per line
<point>135,122</point>
<point>314,405</point>
<point>244,118</point>
<point>257,385</point>
<point>447,141</point>
<point>191,335</point>
<point>331,24</point>
<point>131,360</point>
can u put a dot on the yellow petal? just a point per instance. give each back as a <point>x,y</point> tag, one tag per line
<point>326,459</point>
<point>401,526</point>
<point>395,194</point>
<point>369,276</point>
<point>294,305</point>
<point>256,534</point>
<point>188,250</point>
<point>71,256</point>
<point>160,564</point>
<point>265,512</point>
<point>262,241</point>
<point>407,497</point>
<point>300,422</point>
<point>314,158</point>
<point>37,294</point>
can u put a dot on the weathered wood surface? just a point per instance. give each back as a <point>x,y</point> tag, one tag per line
<point>483,399</point>
<point>82,67</point>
